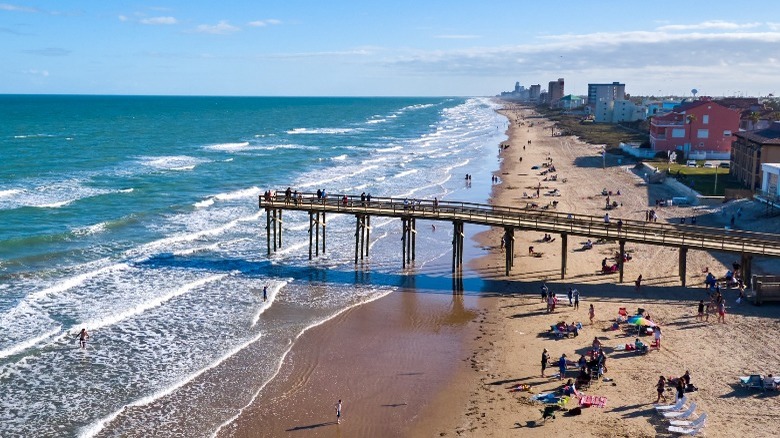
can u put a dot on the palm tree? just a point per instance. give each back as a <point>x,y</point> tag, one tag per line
<point>754,118</point>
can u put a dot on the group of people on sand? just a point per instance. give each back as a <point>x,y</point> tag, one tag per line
<point>681,385</point>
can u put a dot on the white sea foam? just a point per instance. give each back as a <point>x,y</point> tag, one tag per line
<point>250,192</point>
<point>56,204</point>
<point>375,121</point>
<point>208,202</point>
<point>405,173</point>
<point>390,149</point>
<point>77,280</point>
<point>91,229</point>
<point>95,428</point>
<point>417,107</point>
<point>150,304</point>
<point>228,147</point>
<point>321,131</point>
<point>17,348</point>
<point>340,158</point>
<point>340,176</point>
<point>9,192</point>
<point>175,162</point>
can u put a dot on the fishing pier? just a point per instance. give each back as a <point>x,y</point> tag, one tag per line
<point>746,244</point>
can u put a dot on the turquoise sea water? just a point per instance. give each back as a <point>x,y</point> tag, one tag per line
<point>136,218</point>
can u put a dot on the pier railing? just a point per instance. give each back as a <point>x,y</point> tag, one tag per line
<point>535,219</point>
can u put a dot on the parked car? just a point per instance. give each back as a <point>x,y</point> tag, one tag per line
<point>691,163</point>
<point>709,164</point>
<point>725,165</point>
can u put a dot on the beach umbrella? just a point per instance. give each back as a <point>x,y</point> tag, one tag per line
<point>640,320</point>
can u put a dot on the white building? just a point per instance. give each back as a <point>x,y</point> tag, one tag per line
<point>616,111</point>
<point>770,181</point>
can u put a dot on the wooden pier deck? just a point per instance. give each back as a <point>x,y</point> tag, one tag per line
<point>745,243</point>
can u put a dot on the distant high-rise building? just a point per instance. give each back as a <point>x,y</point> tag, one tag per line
<point>605,93</point>
<point>555,91</point>
<point>518,87</point>
<point>534,91</point>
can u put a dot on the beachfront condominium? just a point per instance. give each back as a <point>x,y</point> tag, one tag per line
<point>605,93</point>
<point>534,92</point>
<point>555,92</point>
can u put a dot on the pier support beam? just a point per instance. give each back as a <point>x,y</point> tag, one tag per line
<point>358,231</point>
<point>368,232</point>
<point>311,232</point>
<point>683,262</point>
<point>268,229</point>
<point>413,235</point>
<point>404,228</point>
<point>457,247</point>
<point>564,244</point>
<point>274,224</point>
<point>509,247</point>
<point>323,233</point>
<point>317,235</point>
<point>620,259</point>
<point>279,222</point>
<point>746,269</point>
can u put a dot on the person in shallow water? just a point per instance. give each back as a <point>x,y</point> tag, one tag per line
<point>83,336</point>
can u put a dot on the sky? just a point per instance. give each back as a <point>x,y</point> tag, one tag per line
<point>387,48</point>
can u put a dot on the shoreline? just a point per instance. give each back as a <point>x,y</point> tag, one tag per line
<point>499,345</point>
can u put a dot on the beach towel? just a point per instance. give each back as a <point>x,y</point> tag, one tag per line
<point>593,400</point>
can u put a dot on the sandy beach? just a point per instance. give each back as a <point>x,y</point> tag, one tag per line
<point>417,364</point>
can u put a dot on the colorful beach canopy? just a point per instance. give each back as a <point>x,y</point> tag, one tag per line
<point>640,320</point>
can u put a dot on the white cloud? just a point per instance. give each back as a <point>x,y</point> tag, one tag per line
<point>34,72</point>
<point>221,28</point>
<point>264,23</point>
<point>122,18</point>
<point>159,20</point>
<point>713,24</point>
<point>15,8</point>
<point>458,37</point>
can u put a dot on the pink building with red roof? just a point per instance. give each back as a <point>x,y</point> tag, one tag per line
<point>701,129</point>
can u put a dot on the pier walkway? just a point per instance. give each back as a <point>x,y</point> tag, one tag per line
<point>684,237</point>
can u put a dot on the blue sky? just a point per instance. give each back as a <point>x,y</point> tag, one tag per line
<point>398,48</point>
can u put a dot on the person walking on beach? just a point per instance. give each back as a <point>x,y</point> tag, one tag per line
<point>591,314</point>
<point>545,360</point>
<point>660,387</point>
<point>338,412</point>
<point>562,366</point>
<point>700,314</point>
<point>83,336</point>
<point>265,293</point>
<point>544,292</point>
<point>657,335</point>
<point>722,311</point>
<point>576,294</point>
<point>570,295</point>
<point>638,283</point>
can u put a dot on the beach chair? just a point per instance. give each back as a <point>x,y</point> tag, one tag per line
<point>678,406</point>
<point>685,430</point>
<point>680,415</point>
<point>753,381</point>
<point>699,422</point>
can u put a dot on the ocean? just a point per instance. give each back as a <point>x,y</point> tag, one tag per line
<point>137,219</point>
